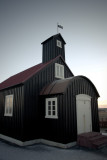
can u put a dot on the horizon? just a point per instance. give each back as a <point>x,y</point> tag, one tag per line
<point>102,106</point>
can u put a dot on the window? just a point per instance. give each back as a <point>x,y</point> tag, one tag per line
<point>51,108</point>
<point>59,44</point>
<point>8,105</point>
<point>59,71</point>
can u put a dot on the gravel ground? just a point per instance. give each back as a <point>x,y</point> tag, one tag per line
<point>9,151</point>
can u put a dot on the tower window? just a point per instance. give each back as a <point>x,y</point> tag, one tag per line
<point>59,44</point>
<point>59,71</point>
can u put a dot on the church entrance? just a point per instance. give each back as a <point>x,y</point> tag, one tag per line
<point>84,118</point>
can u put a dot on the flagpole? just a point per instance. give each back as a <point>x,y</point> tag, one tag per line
<point>57,28</point>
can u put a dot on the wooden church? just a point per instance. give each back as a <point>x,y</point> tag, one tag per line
<point>47,103</point>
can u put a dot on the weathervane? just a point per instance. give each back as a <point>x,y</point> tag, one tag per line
<point>59,26</point>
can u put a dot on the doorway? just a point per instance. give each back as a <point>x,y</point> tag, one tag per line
<point>84,117</point>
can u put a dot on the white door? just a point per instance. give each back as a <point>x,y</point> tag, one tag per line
<point>84,118</point>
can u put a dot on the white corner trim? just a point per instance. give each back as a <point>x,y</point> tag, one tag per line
<point>35,141</point>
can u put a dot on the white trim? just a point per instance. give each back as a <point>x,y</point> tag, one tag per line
<point>18,142</point>
<point>47,115</point>
<point>83,97</point>
<point>56,144</point>
<point>36,141</point>
<point>84,115</point>
<point>53,117</point>
<point>59,43</point>
<point>59,71</point>
<point>105,134</point>
<point>12,140</point>
<point>8,105</point>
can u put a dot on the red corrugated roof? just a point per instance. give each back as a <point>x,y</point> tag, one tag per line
<point>60,86</point>
<point>23,76</point>
<point>56,87</point>
<point>26,74</point>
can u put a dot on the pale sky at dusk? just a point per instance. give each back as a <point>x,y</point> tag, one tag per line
<point>24,24</point>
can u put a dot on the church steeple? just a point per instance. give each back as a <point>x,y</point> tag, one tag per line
<point>53,47</point>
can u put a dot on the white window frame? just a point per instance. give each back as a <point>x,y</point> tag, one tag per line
<point>8,105</point>
<point>59,43</point>
<point>59,71</point>
<point>51,108</point>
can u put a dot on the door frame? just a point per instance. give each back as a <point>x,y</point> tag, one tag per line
<point>83,97</point>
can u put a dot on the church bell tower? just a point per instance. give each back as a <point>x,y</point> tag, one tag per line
<point>53,47</point>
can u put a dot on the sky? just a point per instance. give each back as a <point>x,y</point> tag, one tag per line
<point>25,24</point>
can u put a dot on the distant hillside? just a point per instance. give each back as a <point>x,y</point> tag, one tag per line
<point>102,106</point>
<point>102,116</point>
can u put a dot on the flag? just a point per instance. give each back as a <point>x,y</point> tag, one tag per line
<point>60,26</point>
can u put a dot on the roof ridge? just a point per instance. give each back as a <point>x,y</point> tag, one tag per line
<point>58,34</point>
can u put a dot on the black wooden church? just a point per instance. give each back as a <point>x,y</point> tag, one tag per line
<point>47,103</point>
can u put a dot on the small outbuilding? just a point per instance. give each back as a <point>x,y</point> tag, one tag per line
<point>47,103</point>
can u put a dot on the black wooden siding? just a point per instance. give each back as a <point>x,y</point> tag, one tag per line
<point>12,126</point>
<point>51,51</point>
<point>33,87</point>
<point>64,129</point>
<point>28,120</point>
<point>25,122</point>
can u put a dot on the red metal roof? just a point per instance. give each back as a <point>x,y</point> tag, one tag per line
<point>56,87</point>
<point>24,75</point>
<point>60,86</point>
<point>21,77</point>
